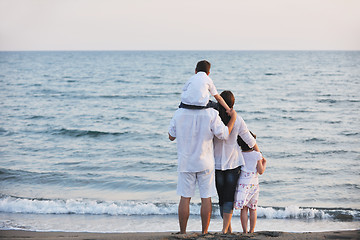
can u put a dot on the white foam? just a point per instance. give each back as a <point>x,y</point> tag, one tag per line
<point>9,204</point>
<point>291,212</point>
<point>83,206</point>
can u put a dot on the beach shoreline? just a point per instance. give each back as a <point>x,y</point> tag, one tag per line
<point>276,235</point>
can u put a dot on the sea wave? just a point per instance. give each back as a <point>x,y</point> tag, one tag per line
<point>132,182</point>
<point>2,130</point>
<point>12,204</point>
<point>82,133</point>
<point>272,73</point>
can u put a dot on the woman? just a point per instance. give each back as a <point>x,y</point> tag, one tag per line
<point>228,161</point>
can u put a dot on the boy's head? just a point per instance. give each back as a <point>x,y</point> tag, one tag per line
<point>243,145</point>
<point>203,66</point>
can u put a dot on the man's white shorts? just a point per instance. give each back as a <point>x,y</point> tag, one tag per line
<point>187,183</point>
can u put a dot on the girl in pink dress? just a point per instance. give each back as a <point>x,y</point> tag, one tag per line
<point>247,192</point>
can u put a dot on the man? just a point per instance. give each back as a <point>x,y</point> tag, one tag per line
<point>194,130</point>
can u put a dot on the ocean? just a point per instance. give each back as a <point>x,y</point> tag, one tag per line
<point>84,144</point>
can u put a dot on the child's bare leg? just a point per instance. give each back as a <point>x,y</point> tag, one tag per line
<point>253,217</point>
<point>244,218</point>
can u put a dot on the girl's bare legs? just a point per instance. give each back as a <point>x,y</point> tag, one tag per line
<point>253,217</point>
<point>244,218</point>
<point>227,222</point>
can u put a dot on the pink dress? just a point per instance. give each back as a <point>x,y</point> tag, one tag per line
<point>247,190</point>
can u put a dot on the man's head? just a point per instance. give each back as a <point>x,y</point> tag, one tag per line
<point>203,66</point>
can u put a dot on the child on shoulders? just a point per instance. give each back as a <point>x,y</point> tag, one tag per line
<point>196,90</point>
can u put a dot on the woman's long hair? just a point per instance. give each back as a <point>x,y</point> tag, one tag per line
<point>230,100</point>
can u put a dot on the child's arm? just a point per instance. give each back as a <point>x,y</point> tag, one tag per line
<point>261,165</point>
<point>171,137</point>
<point>222,102</point>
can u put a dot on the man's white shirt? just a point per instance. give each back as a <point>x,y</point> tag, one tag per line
<point>194,131</point>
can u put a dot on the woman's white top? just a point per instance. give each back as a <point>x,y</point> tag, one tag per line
<point>251,159</point>
<point>228,153</point>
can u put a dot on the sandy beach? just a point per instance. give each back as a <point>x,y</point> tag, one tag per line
<point>18,234</point>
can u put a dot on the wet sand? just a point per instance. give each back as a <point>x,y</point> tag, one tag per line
<point>28,235</point>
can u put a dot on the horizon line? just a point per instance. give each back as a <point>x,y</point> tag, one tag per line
<point>179,50</point>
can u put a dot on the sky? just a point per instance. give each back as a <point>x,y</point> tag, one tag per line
<point>179,25</point>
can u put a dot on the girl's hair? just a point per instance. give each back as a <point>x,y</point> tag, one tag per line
<point>243,145</point>
<point>230,100</point>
